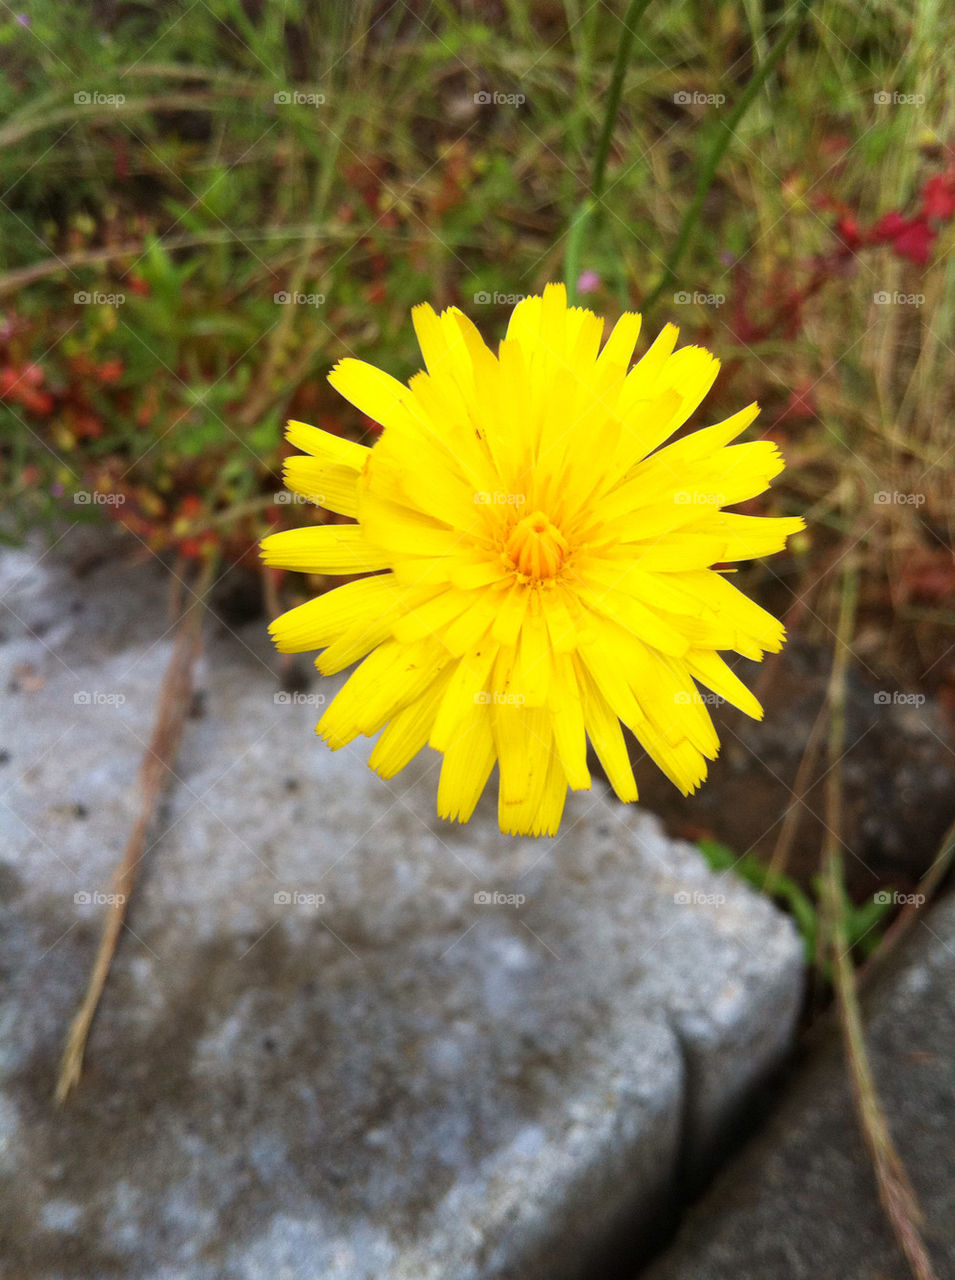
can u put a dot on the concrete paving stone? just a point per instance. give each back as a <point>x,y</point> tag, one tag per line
<point>801,1201</point>
<point>341,1038</point>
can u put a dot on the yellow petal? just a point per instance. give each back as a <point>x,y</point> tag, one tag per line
<point>532,671</point>
<point>325,446</point>
<point>551,807</point>
<point>524,743</point>
<point>318,622</point>
<point>642,380</point>
<point>570,737</point>
<point>405,735</point>
<point>369,389</point>
<point>328,548</point>
<point>468,687</point>
<point>748,537</point>
<point>603,729</point>
<point>385,682</point>
<point>334,487</point>
<point>711,670</point>
<point>468,760</point>
<point>618,349</point>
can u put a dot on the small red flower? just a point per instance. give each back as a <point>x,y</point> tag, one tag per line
<point>938,197</point>
<point>109,371</point>
<point>910,238</point>
<point>849,232</point>
<point>22,386</point>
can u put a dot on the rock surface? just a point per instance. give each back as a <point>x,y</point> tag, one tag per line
<point>801,1202</point>
<point>899,747</point>
<point>341,1038</point>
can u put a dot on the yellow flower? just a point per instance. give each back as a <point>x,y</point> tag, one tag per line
<point>545,564</point>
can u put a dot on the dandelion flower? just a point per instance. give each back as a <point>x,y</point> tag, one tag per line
<point>538,560</point>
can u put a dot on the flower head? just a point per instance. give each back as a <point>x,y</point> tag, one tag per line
<point>539,559</point>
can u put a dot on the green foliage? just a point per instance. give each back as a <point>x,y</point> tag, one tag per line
<point>861,922</point>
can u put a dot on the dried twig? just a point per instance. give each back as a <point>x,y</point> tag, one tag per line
<point>794,810</point>
<point>174,698</point>
<point>895,1191</point>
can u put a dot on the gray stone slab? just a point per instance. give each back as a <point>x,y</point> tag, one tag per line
<point>322,1052</point>
<point>801,1201</point>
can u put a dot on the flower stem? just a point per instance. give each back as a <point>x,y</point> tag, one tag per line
<point>708,172</point>
<point>578,223</point>
<point>895,1191</point>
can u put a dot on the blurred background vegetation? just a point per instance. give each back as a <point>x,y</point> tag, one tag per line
<point>171,175</point>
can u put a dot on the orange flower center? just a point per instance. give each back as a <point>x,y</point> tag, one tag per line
<point>535,547</point>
